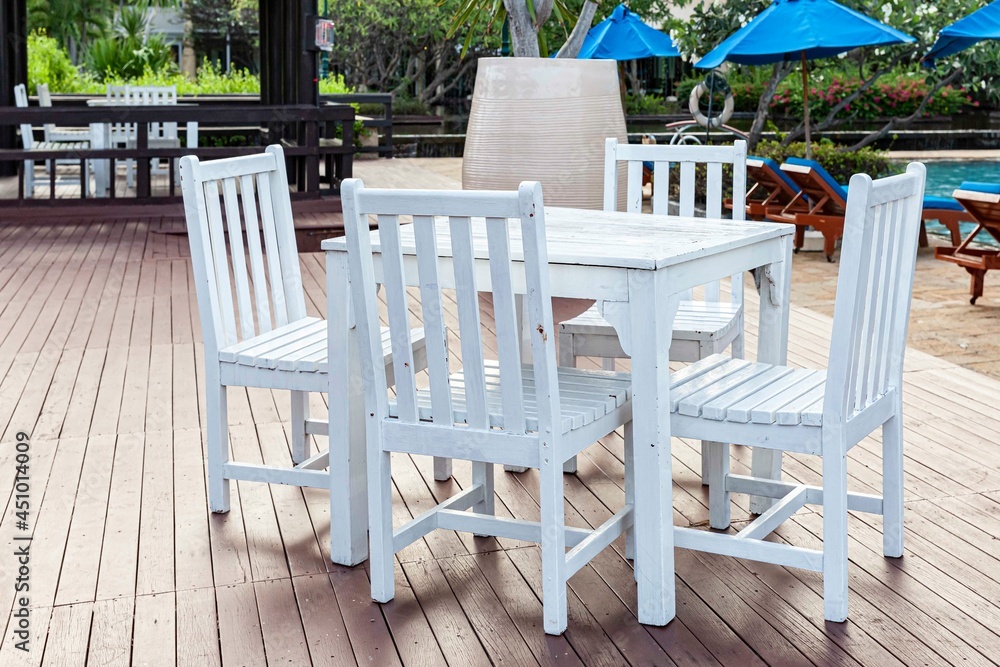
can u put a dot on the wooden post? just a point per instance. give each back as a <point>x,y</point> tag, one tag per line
<point>805,104</point>
<point>13,68</point>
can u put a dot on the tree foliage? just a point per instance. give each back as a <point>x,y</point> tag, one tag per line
<point>711,23</point>
<point>403,46</point>
<point>216,21</point>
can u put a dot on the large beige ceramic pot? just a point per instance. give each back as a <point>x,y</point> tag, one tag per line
<point>544,119</point>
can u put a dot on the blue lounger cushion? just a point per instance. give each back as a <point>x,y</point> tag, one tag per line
<point>988,188</point>
<point>822,173</point>
<point>775,169</point>
<point>942,203</point>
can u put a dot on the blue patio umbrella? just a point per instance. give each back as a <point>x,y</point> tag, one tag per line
<point>624,36</point>
<point>984,23</point>
<point>806,29</point>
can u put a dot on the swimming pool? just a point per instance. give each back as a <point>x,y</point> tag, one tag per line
<point>943,177</point>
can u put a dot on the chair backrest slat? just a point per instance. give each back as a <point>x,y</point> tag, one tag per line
<point>221,263</point>
<point>506,320</point>
<point>874,288</point>
<point>432,310</point>
<point>399,317</point>
<point>446,247</point>
<point>240,276</point>
<point>223,201</point>
<point>687,189</point>
<point>661,195</point>
<point>257,275</point>
<point>469,326</point>
<point>274,268</point>
<point>688,158</point>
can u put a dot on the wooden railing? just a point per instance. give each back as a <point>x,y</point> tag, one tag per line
<point>382,125</point>
<point>299,129</point>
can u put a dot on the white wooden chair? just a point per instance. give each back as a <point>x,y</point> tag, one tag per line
<point>264,338</point>
<point>491,412</point>
<point>161,135</point>
<point>701,328</point>
<point>53,133</point>
<point>29,143</point>
<point>824,413</point>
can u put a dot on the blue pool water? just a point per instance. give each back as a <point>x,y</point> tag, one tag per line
<point>944,177</point>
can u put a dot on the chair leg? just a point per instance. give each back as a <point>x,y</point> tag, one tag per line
<point>892,486</point>
<point>629,489</point>
<point>442,469</point>
<point>717,456</point>
<point>482,473</point>
<point>300,413</point>
<point>553,542</point>
<point>567,359</point>
<point>835,530</point>
<point>218,445</point>
<point>380,551</point>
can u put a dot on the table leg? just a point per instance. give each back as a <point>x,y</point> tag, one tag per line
<point>348,453</point>
<point>773,286</point>
<point>652,309</point>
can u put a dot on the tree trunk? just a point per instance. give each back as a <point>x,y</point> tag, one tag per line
<point>523,35</point>
<point>780,71</point>
<point>571,49</point>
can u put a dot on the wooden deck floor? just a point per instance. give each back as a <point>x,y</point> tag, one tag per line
<point>100,361</point>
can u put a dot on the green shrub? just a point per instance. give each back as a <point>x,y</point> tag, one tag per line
<point>50,64</point>
<point>647,105</point>
<point>841,165</point>
<point>409,106</point>
<point>334,84</point>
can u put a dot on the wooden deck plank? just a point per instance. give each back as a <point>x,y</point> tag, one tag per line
<point>86,532</point>
<point>154,639</point>
<point>69,631</point>
<point>111,633</point>
<point>197,629</point>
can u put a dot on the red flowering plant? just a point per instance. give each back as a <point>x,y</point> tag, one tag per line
<point>898,97</point>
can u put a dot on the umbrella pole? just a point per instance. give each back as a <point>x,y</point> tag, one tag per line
<point>805,104</point>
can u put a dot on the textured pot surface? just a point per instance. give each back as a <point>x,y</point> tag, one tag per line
<point>544,119</point>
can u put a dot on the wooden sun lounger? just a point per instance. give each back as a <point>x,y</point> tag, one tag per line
<point>985,208</point>
<point>771,190</point>
<point>827,201</point>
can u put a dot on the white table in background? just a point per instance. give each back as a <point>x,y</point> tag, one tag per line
<point>637,266</point>
<point>100,137</point>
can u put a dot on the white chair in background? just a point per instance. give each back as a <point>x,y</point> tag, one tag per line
<point>53,133</point>
<point>265,338</point>
<point>823,413</point>
<point>161,135</point>
<point>29,143</point>
<point>701,328</point>
<point>491,412</point>
<point>120,132</point>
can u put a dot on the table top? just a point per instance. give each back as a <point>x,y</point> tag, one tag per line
<point>619,240</point>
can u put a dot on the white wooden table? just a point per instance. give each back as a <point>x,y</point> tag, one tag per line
<point>636,266</point>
